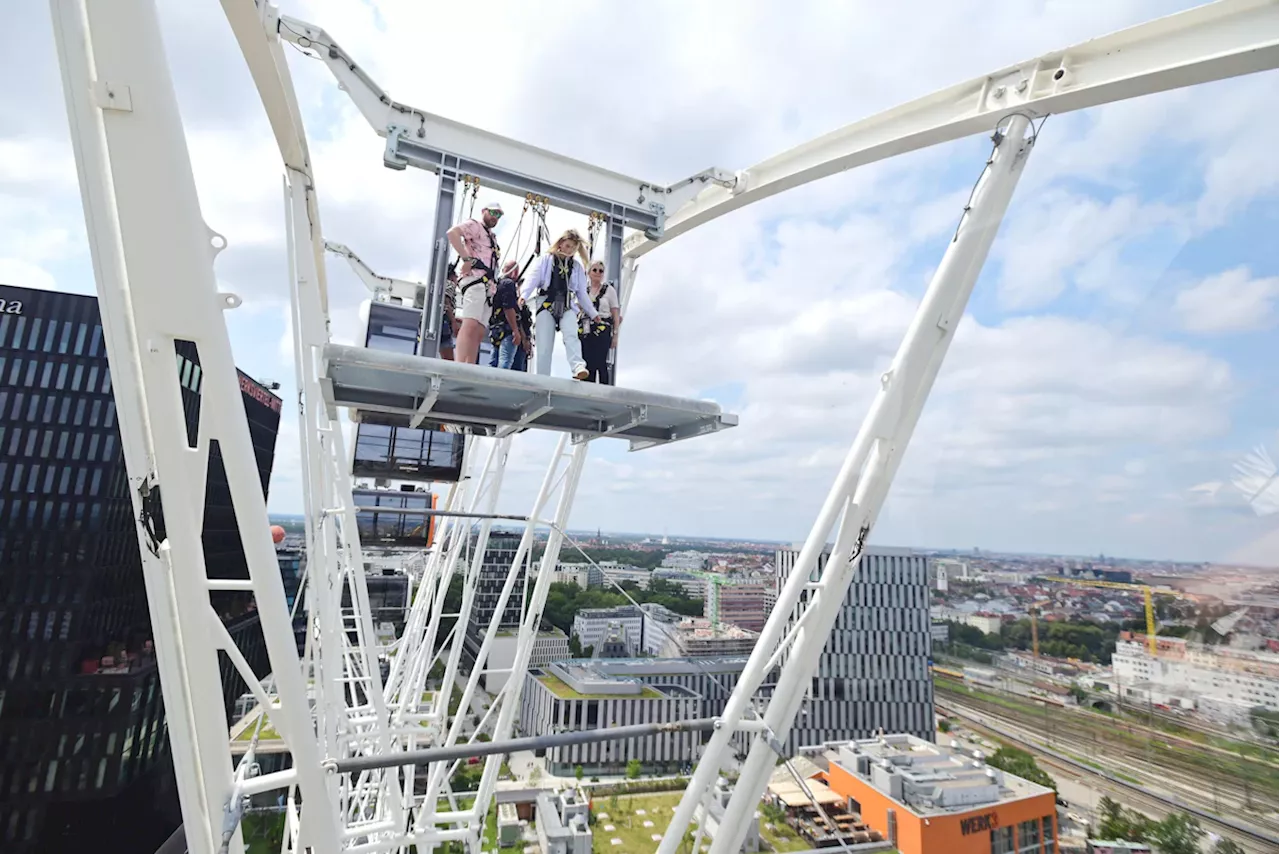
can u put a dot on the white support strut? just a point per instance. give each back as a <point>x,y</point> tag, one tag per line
<point>858,494</point>
<point>153,262</point>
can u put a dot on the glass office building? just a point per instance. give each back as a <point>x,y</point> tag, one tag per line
<point>84,758</point>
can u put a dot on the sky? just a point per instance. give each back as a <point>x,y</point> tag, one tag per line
<point>1117,359</point>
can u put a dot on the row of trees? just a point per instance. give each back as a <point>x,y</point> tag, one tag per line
<point>1176,833</point>
<point>1082,639</point>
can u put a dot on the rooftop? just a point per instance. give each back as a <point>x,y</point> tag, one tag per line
<point>565,691</point>
<point>928,779</point>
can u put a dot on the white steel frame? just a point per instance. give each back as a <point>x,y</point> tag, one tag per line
<point>153,257</point>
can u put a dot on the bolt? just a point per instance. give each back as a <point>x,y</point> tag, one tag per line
<point>1022,85</point>
<point>999,93</point>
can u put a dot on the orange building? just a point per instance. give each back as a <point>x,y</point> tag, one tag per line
<point>930,799</point>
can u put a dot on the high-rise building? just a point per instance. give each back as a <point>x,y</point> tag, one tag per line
<point>873,674</point>
<point>84,758</point>
<point>498,556</point>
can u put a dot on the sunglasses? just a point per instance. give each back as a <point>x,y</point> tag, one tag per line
<point>491,212</point>
<point>597,269</point>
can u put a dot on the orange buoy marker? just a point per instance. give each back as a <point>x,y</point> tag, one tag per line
<point>277,534</point>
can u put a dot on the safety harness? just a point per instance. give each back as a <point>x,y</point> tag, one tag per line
<point>498,329</point>
<point>555,296</point>
<point>603,323</point>
<point>486,272</point>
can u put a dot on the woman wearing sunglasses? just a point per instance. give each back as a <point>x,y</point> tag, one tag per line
<point>600,336</point>
<point>556,285</point>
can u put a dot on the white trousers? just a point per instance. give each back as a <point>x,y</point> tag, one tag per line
<point>545,341</point>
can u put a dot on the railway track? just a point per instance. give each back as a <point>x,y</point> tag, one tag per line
<point>1236,782</point>
<point>1253,839</point>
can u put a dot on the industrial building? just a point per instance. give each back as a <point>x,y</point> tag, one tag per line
<point>925,798</point>
<point>873,674</point>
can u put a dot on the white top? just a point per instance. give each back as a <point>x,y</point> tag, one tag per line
<point>609,301</point>
<point>541,278</point>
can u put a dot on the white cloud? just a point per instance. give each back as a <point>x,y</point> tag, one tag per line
<point>1231,301</point>
<point>791,307</point>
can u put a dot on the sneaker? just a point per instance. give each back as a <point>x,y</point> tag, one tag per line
<point>581,374</point>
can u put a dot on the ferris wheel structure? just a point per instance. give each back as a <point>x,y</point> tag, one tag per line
<point>373,752</point>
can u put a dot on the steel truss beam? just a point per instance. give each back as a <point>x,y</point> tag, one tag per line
<point>415,137</point>
<point>1218,40</point>
<point>855,500</point>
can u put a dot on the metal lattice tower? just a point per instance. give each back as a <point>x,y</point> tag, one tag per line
<point>372,759</point>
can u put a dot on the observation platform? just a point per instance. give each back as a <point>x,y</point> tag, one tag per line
<point>405,390</point>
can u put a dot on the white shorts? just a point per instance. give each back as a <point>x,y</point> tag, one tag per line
<point>475,301</point>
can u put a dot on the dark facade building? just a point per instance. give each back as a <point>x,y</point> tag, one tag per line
<point>498,556</point>
<point>84,754</point>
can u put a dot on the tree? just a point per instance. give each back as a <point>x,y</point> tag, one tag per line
<point>1227,846</point>
<point>1080,694</point>
<point>633,769</point>
<point>773,813</point>
<point>1179,833</point>
<point>535,775</point>
<point>575,646</point>
<point>1022,764</point>
<point>944,726</point>
<point>1119,823</point>
<point>578,773</point>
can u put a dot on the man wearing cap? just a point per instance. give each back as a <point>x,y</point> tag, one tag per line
<point>477,248</point>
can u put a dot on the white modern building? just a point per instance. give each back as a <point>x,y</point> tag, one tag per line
<point>548,646</point>
<point>685,560</point>
<point>592,625</point>
<point>1242,676</point>
<point>873,675</point>
<point>577,574</point>
<point>616,573</point>
<point>590,693</point>
<point>660,624</point>
<point>562,824</point>
<point>693,586</point>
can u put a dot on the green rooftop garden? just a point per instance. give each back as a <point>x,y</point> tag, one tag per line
<point>562,690</point>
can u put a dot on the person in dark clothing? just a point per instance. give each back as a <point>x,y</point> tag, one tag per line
<point>600,337</point>
<point>505,332</point>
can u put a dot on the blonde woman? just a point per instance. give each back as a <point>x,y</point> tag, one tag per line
<point>558,277</point>
<point>600,337</point>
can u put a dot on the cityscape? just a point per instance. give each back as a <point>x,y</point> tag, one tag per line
<point>926,503</point>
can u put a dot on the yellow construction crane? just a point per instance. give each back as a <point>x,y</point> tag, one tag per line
<point>1116,585</point>
<point>1035,627</point>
